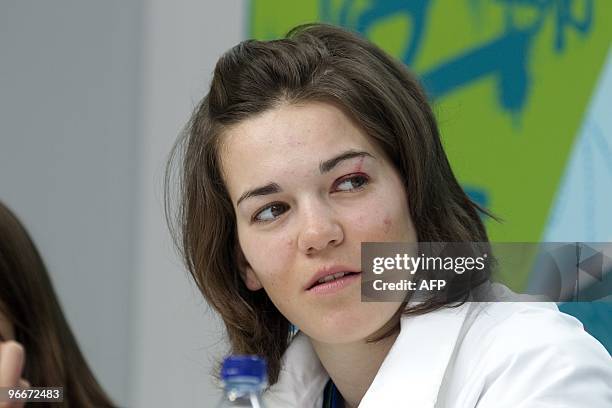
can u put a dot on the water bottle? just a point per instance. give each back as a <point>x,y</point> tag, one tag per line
<point>244,379</point>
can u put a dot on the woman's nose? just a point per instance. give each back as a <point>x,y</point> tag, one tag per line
<point>320,229</point>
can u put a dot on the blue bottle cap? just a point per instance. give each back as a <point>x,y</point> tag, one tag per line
<point>249,367</point>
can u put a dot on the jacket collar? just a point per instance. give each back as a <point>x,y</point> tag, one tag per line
<point>410,375</point>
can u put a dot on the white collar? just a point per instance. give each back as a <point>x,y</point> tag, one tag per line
<point>410,375</point>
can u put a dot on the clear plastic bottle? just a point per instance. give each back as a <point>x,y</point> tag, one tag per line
<point>244,379</point>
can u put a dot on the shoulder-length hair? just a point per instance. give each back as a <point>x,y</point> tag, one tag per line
<point>315,62</point>
<point>28,301</point>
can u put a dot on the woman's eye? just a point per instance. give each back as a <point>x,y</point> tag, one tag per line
<point>352,183</point>
<point>270,213</point>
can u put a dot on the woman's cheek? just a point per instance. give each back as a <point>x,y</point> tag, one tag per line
<point>387,224</point>
<point>269,268</point>
<point>372,225</point>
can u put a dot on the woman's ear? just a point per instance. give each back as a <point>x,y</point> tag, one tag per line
<point>247,274</point>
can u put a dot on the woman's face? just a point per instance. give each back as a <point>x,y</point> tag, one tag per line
<point>316,207</point>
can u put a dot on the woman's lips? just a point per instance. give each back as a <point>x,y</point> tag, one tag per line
<point>327,271</point>
<point>335,285</point>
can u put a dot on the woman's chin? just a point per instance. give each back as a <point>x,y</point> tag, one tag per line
<point>343,331</point>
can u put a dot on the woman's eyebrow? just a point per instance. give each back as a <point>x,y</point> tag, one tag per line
<point>349,154</point>
<point>270,188</point>
<point>324,167</point>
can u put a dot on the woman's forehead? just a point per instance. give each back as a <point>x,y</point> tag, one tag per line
<point>308,131</point>
<point>291,139</point>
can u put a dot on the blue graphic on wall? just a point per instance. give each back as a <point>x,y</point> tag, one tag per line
<point>506,57</point>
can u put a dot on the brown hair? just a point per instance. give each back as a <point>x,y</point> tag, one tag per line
<point>314,62</point>
<point>28,301</point>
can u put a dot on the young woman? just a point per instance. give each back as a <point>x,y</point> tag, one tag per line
<point>32,323</point>
<point>304,148</point>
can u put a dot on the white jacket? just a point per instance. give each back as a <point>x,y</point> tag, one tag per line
<point>485,355</point>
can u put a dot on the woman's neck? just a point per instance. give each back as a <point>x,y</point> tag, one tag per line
<point>353,366</point>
